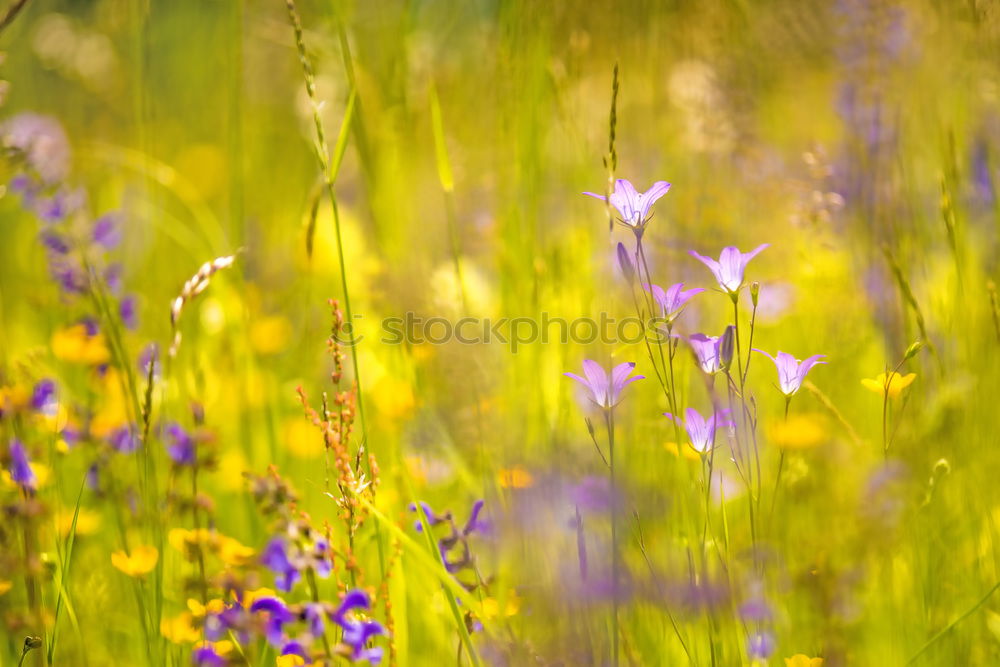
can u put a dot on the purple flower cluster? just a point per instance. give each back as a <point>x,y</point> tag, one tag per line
<point>76,245</point>
<point>356,632</point>
<point>289,556</point>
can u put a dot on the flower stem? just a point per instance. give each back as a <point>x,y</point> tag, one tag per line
<point>609,416</point>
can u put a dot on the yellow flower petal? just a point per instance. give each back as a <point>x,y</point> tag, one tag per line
<point>5,586</point>
<point>897,383</point>
<point>141,561</point>
<point>76,345</point>
<point>290,660</point>
<point>799,431</point>
<point>517,477</point>
<point>801,660</point>
<point>180,629</point>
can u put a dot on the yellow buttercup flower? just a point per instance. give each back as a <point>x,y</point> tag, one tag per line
<point>141,561</point>
<point>897,383</point>
<point>77,345</point>
<point>517,477</point>
<point>290,660</point>
<point>799,431</point>
<point>14,399</point>
<point>802,660</point>
<point>491,607</point>
<point>180,629</point>
<point>87,522</point>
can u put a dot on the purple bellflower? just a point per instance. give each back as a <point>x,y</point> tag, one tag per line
<point>791,371</point>
<point>605,391</point>
<point>358,633</point>
<point>701,431</point>
<point>633,206</point>
<point>707,352</point>
<point>728,271</point>
<point>672,300</point>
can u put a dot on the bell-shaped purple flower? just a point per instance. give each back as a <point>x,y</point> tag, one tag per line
<point>20,467</point>
<point>701,431</point>
<point>791,371</point>
<point>728,271</point>
<point>605,391</point>
<point>707,351</point>
<point>672,300</point>
<point>633,206</point>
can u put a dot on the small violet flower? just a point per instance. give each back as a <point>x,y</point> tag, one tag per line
<point>605,391</point>
<point>728,271</point>
<point>701,431</point>
<point>672,300</point>
<point>791,371</point>
<point>633,206</point>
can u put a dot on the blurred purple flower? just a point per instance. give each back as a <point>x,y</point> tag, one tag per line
<point>760,645</point>
<point>180,446</point>
<point>791,371</point>
<point>127,310</point>
<point>124,439</point>
<point>275,558</point>
<point>633,206</point>
<point>728,271</point>
<point>277,616</point>
<point>206,656</point>
<point>43,397</point>
<point>701,431</point>
<point>20,467</point>
<point>605,391</point>
<point>358,633</point>
<point>106,231</point>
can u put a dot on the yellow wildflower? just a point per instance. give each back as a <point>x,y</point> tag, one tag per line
<point>517,477</point>
<point>269,335</point>
<point>897,383</point>
<point>14,399</point>
<point>180,629</point>
<point>141,561</point>
<point>491,607</point>
<point>5,586</point>
<point>77,345</point>
<point>87,522</point>
<point>799,431</point>
<point>290,660</point>
<point>232,552</point>
<point>801,660</point>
